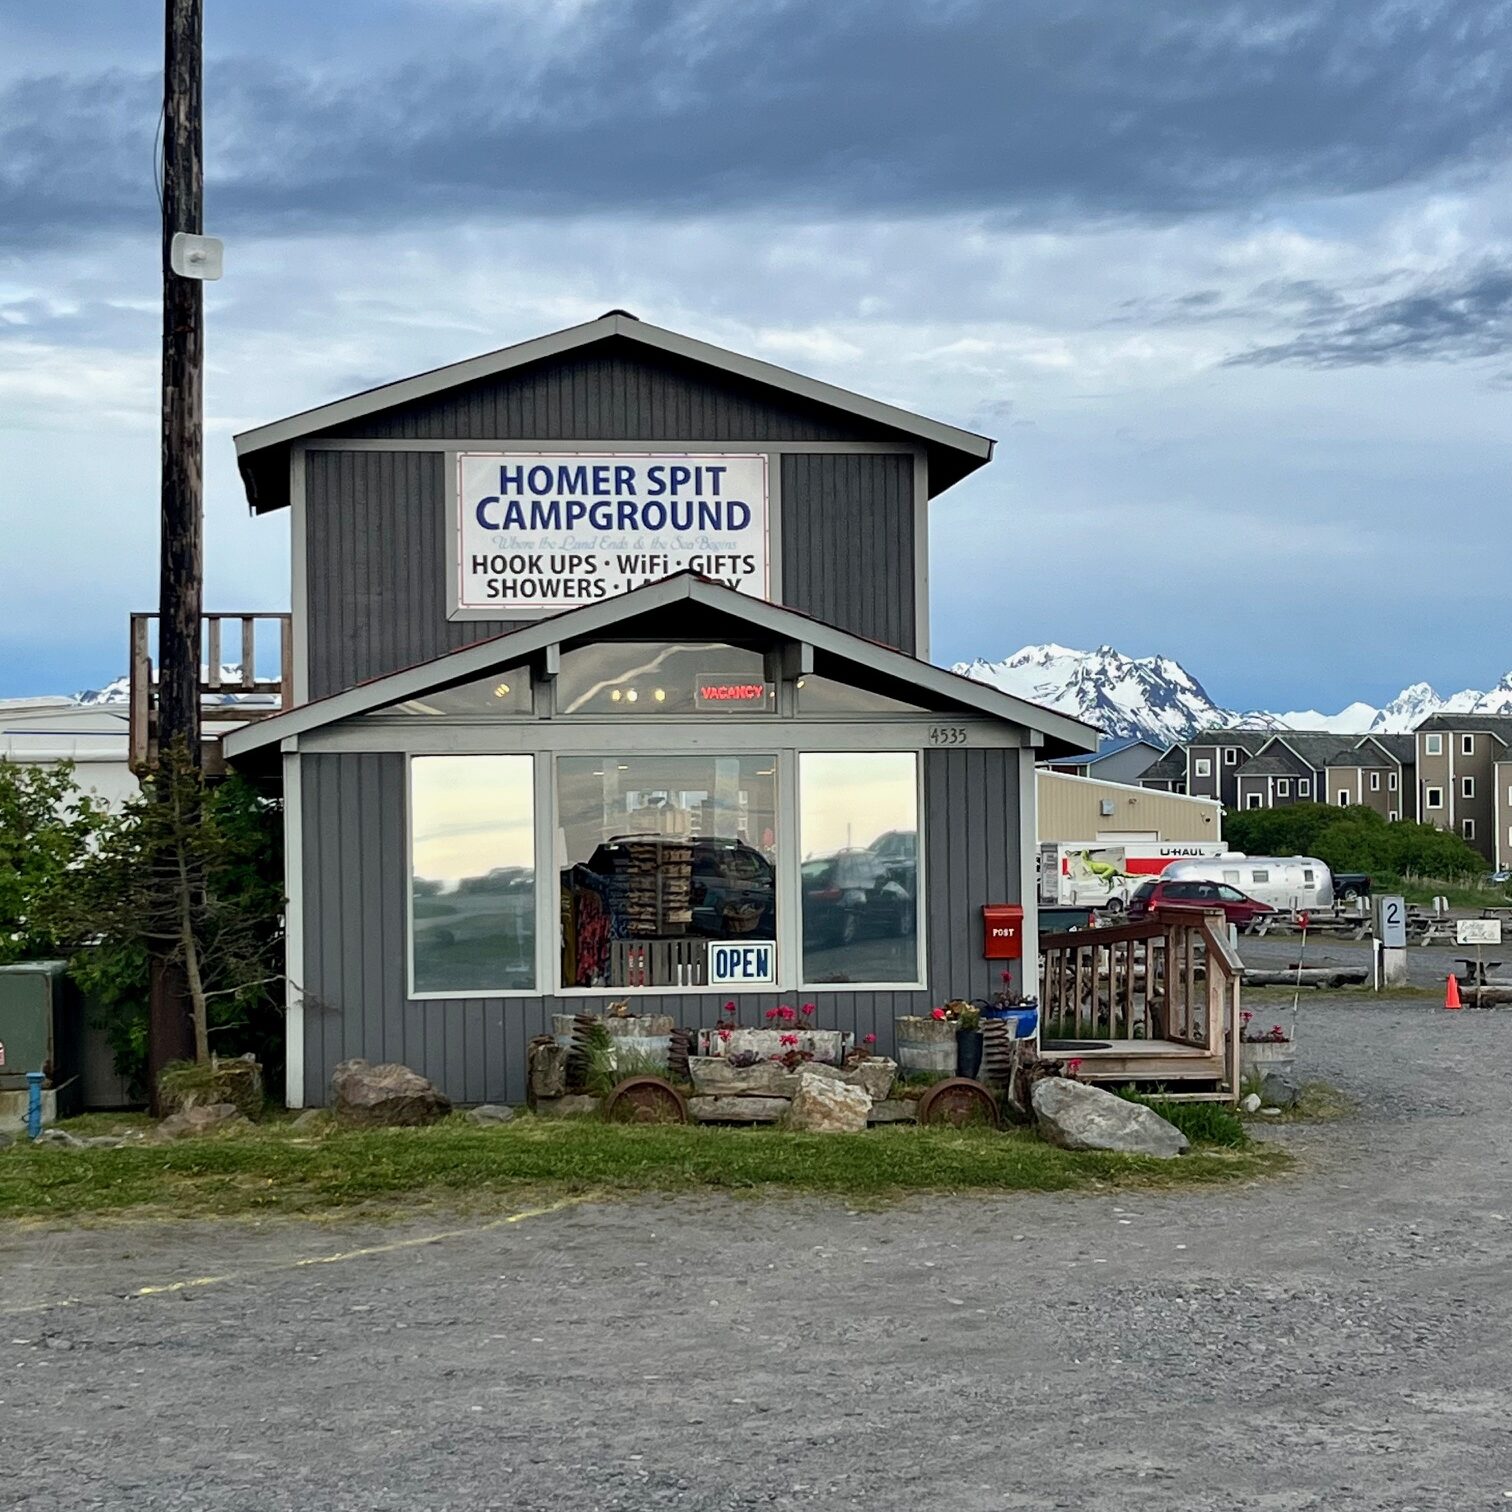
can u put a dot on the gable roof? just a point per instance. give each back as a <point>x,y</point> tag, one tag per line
<point>671,596</point>
<point>1249,740</point>
<point>1274,764</point>
<point>1108,748</point>
<point>262,452</point>
<point>1402,748</point>
<point>1169,766</point>
<point>1499,725</point>
<point>1315,748</point>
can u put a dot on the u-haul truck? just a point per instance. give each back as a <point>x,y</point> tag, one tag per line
<point>1095,875</point>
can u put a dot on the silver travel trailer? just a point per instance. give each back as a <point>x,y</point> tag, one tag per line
<point>1281,881</point>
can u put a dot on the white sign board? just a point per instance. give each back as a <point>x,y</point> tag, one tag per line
<point>743,963</point>
<point>1391,913</point>
<point>1477,932</point>
<point>537,532</point>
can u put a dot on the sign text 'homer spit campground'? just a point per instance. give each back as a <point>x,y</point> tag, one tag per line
<point>538,532</point>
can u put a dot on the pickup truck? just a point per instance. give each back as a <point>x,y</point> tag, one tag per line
<point>1349,886</point>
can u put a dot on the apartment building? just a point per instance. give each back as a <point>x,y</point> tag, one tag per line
<point>1265,769</point>
<point>1463,766</point>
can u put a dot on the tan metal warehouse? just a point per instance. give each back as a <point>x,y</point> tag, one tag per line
<point>1082,808</point>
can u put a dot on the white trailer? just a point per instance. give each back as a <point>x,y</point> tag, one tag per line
<point>1094,874</point>
<point>1282,881</point>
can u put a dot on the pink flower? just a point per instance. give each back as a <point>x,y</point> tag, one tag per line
<point>786,1014</point>
<point>869,1039</point>
<point>1073,1066</point>
<point>771,1013</point>
<point>730,1006</point>
<point>787,1039</point>
<point>1246,1015</point>
<point>939,1015</point>
<point>808,1010</point>
<point>1007,976</point>
<point>724,1034</point>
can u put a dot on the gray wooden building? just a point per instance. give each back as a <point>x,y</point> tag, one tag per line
<point>611,681</point>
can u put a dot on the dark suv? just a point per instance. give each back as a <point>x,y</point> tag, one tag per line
<point>1156,893</point>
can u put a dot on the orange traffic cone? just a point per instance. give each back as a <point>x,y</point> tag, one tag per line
<point>1451,993</point>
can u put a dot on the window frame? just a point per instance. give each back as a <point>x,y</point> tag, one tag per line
<point>1467,829</point>
<point>1202,766</point>
<point>1304,787</point>
<point>1231,755</point>
<point>1429,802</point>
<point>1467,745</point>
<point>1283,787</point>
<point>1467,787</point>
<point>1433,743</point>
<point>1375,782</point>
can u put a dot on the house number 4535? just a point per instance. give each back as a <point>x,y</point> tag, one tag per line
<point>943,735</point>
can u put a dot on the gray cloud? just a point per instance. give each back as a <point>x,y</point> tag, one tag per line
<point>1039,110</point>
<point>1464,316</point>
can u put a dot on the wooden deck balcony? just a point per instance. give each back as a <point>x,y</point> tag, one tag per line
<point>1153,1001</point>
<point>231,694</point>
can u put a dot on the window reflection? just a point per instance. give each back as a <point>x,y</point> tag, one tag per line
<point>658,856</point>
<point>702,679</point>
<point>472,871</point>
<point>504,692</point>
<point>858,823</point>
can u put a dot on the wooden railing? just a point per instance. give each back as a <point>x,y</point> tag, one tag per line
<point>1173,977</point>
<point>227,697</point>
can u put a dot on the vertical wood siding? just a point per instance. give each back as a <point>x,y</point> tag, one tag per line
<point>376,555</point>
<point>848,542</point>
<point>606,394</point>
<point>355,970</point>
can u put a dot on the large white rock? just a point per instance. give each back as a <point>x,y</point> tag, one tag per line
<point>1078,1117</point>
<point>822,1105</point>
<point>368,1096</point>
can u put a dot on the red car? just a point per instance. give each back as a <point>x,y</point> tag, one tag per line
<point>1157,893</point>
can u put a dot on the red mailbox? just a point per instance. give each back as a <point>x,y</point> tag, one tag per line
<point>1002,931</point>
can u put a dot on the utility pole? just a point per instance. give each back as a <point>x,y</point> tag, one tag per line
<point>181,551</point>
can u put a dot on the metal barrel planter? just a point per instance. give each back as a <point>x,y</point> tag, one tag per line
<point>926,1044</point>
<point>959,1103</point>
<point>646,1099</point>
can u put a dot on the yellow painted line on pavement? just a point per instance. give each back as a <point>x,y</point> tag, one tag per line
<point>394,1247</point>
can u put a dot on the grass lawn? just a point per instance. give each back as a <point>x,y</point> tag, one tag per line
<point>277,1170</point>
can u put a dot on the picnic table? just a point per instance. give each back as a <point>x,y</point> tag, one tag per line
<point>1475,972</point>
<point>1430,929</point>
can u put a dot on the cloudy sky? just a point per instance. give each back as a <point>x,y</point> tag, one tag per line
<point>1230,282</point>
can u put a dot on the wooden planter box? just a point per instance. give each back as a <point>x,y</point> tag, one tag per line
<point>828,1046</point>
<point>713,1076</point>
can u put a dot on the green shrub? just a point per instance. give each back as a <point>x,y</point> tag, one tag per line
<point>1203,1123</point>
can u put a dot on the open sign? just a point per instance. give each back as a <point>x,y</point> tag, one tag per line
<point>748,963</point>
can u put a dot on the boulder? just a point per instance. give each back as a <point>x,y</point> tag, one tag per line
<point>490,1113</point>
<point>1279,1091</point>
<point>893,1110</point>
<point>1078,1117</point>
<point>824,1106</point>
<point>311,1118</point>
<point>576,1105</point>
<point>384,1096</point>
<point>1250,1103</point>
<point>875,1075</point>
<point>235,1079</point>
<point>208,1119</point>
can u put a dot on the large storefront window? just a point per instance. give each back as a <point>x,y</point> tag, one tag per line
<point>623,678</point>
<point>472,874</point>
<point>661,857</point>
<point>858,838</point>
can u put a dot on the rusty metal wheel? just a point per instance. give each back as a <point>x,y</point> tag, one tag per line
<point>646,1099</point>
<point>959,1101</point>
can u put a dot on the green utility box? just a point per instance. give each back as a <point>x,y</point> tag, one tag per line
<point>41,1029</point>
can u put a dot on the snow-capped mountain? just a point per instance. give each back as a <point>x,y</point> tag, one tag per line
<point>1151,696</point>
<point>1158,699</point>
<point>119,691</point>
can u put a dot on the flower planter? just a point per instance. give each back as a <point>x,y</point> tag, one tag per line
<point>713,1076</point>
<point>1259,1058</point>
<point>828,1046</point>
<point>968,1052</point>
<point>926,1044</point>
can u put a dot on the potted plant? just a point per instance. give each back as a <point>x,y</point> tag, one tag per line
<point>1265,1051</point>
<point>968,1037</point>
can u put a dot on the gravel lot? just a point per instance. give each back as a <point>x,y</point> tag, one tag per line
<point>1338,1338</point>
